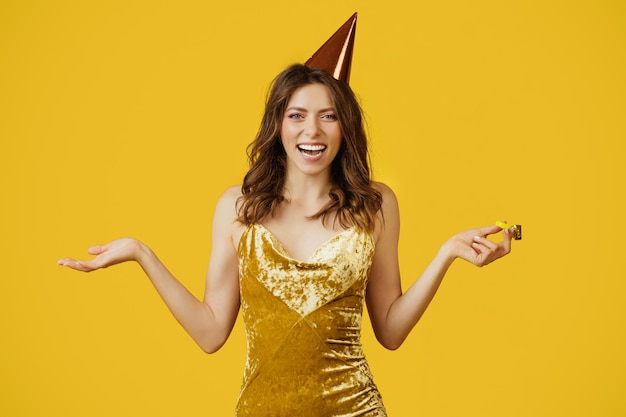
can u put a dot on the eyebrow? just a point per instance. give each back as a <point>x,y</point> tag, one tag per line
<point>302,109</point>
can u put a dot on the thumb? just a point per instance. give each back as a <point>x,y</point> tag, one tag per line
<point>97,249</point>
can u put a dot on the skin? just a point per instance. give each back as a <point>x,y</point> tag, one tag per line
<point>309,119</point>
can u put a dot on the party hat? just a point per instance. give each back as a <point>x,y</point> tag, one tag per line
<point>335,56</point>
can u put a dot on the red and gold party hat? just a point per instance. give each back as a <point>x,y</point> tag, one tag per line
<point>335,56</point>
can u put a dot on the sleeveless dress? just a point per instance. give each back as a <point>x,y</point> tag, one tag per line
<point>303,325</point>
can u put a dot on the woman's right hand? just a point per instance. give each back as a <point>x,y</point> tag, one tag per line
<point>113,253</point>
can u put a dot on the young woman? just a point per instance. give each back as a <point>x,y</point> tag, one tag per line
<point>299,247</point>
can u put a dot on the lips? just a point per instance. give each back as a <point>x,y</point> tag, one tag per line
<point>311,150</point>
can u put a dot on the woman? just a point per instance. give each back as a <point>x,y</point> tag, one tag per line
<point>299,246</point>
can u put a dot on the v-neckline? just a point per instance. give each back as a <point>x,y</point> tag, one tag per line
<point>286,253</point>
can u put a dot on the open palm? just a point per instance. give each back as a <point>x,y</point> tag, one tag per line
<point>113,253</point>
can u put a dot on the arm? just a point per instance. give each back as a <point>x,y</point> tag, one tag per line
<point>394,314</point>
<point>208,322</point>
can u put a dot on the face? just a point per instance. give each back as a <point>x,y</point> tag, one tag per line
<point>310,131</point>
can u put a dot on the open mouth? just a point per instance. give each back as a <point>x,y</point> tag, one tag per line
<point>312,150</point>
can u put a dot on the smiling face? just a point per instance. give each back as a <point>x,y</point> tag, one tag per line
<point>286,152</point>
<point>310,131</point>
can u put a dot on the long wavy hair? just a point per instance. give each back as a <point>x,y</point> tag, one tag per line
<point>353,200</point>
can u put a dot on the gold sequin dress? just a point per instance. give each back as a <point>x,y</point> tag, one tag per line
<point>303,325</point>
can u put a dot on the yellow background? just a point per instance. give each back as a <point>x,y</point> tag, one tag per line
<point>130,118</point>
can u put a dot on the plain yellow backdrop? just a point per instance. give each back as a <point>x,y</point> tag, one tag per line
<point>131,117</point>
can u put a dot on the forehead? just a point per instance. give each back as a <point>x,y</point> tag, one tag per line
<point>311,96</point>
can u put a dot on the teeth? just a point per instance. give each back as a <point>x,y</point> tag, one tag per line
<point>312,147</point>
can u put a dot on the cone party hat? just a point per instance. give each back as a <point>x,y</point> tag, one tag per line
<point>335,56</point>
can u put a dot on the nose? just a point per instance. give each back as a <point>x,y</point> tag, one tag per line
<point>312,127</point>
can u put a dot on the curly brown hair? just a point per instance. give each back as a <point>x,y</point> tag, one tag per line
<point>353,199</point>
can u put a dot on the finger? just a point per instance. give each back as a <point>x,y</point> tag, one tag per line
<point>487,250</point>
<point>482,254</point>
<point>506,242</point>
<point>73,264</point>
<point>480,248</point>
<point>485,242</point>
<point>62,262</point>
<point>97,249</point>
<point>490,230</point>
<point>66,262</point>
<point>95,263</point>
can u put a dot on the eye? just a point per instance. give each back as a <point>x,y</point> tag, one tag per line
<point>295,116</point>
<point>329,116</point>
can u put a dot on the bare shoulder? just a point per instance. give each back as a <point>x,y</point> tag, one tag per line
<point>227,203</point>
<point>232,193</point>
<point>389,197</point>
<point>225,217</point>
<point>389,216</point>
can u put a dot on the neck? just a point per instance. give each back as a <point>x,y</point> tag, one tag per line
<point>307,188</point>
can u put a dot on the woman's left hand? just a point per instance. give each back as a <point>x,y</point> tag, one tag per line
<point>473,245</point>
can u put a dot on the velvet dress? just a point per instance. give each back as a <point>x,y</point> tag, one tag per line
<point>303,325</point>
